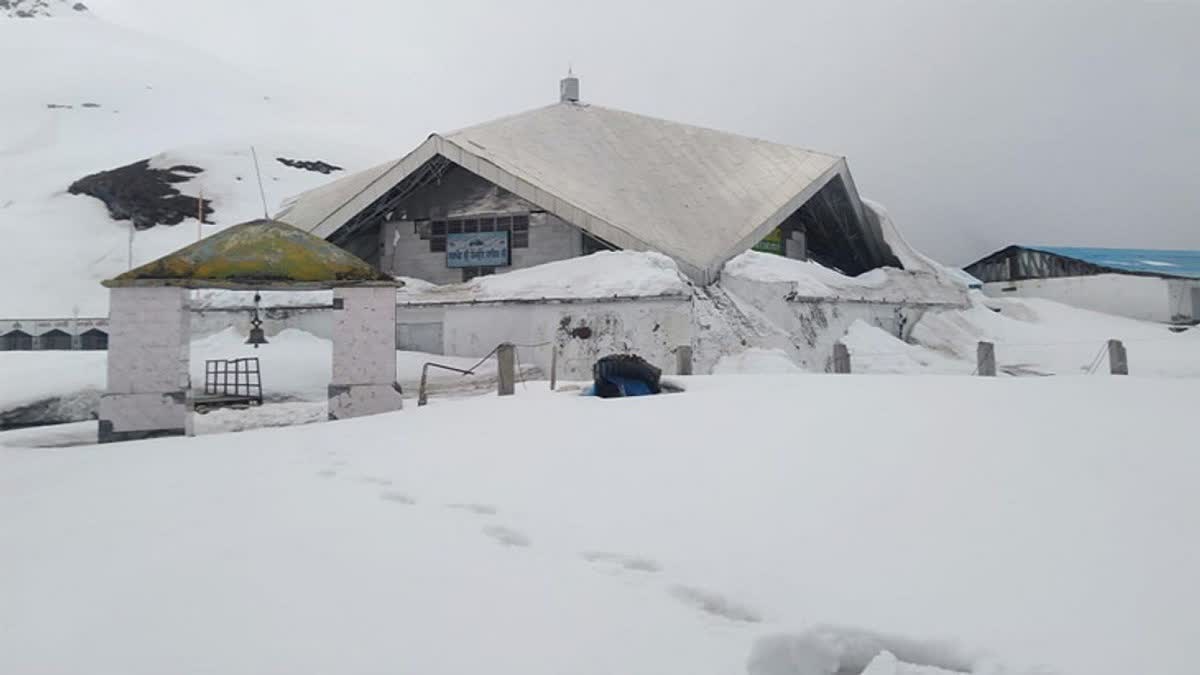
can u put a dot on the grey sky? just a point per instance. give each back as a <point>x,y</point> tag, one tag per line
<point>977,124</point>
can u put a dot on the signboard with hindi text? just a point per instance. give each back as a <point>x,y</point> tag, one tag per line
<point>477,249</point>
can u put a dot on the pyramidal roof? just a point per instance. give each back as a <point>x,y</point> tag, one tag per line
<point>260,254</point>
<point>698,195</point>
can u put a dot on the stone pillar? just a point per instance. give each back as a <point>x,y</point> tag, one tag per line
<point>841,358</point>
<point>796,246</point>
<point>506,370</point>
<point>683,360</point>
<point>1118,360</point>
<point>149,391</point>
<point>364,352</point>
<point>985,359</point>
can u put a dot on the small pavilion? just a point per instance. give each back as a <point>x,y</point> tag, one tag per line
<point>149,390</point>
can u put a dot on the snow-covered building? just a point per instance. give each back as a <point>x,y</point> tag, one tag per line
<point>675,215</point>
<point>573,178</point>
<point>1153,285</point>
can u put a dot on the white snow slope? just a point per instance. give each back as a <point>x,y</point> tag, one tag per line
<point>145,98</point>
<point>749,525</point>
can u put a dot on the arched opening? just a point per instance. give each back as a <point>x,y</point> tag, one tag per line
<point>93,339</point>
<point>16,340</point>
<point>54,339</point>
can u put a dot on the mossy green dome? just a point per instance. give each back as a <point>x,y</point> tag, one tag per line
<point>260,254</point>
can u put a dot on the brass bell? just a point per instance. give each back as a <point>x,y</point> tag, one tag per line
<point>257,337</point>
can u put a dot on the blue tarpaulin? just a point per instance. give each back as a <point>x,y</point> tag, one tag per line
<point>1149,261</point>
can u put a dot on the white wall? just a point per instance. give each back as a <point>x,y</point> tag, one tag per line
<point>581,331</point>
<point>1146,298</point>
<point>405,253</point>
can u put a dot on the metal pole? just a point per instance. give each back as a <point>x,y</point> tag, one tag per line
<point>422,399</point>
<point>553,366</point>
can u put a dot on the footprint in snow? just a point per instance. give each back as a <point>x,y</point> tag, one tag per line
<point>477,509</point>
<point>397,497</point>
<point>327,473</point>
<point>629,562</point>
<point>506,536</point>
<point>714,604</point>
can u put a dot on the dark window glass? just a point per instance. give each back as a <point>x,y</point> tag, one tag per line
<point>55,339</point>
<point>438,228</point>
<point>470,225</point>
<point>94,339</point>
<point>16,340</point>
<point>487,224</point>
<point>437,244</point>
<point>454,227</point>
<point>520,223</point>
<point>503,224</point>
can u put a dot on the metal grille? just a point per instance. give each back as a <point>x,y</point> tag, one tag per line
<point>233,379</point>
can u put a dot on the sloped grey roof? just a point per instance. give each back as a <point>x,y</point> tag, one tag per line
<point>698,195</point>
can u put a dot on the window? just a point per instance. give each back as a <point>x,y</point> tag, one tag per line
<point>437,236</point>
<point>520,232</point>
<point>55,339</point>
<point>16,340</point>
<point>435,231</point>
<point>93,339</point>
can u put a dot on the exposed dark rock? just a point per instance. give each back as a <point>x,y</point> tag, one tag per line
<point>145,195</point>
<point>90,105</point>
<point>57,106</point>
<point>77,407</point>
<point>79,7</point>
<point>316,165</point>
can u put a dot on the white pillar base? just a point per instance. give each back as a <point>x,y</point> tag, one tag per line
<point>148,393</point>
<point>356,400</point>
<point>133,417</point>
<point>364,352</point>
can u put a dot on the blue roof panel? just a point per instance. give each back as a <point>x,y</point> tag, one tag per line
<point>1146,261</point>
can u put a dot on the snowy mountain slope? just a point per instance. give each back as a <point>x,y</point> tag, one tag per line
<point>34,9</point>
<point>963,523</point>
<point>90,96</point>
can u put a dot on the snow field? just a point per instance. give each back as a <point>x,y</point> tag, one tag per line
<point>511,535</point>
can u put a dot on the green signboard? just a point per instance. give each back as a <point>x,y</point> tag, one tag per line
<point>772,243</point>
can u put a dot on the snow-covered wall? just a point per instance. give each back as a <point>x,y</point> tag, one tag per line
<point>582,331</point>
<point>1137,297</point>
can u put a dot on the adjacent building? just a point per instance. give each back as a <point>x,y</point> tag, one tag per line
<point>1147,284</point>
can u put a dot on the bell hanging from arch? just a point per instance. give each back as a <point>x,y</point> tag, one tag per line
<point>257,337</point>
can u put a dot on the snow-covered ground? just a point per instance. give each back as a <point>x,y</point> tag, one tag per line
<point>727,529</point>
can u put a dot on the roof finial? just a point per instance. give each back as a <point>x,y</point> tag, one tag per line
<point>568,87</point>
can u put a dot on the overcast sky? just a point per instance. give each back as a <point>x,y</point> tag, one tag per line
<point>978,124</point>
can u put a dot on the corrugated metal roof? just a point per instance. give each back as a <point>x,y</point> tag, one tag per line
<point>1142,261</point>
<point>698,195</point>
<point>260,254</point>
